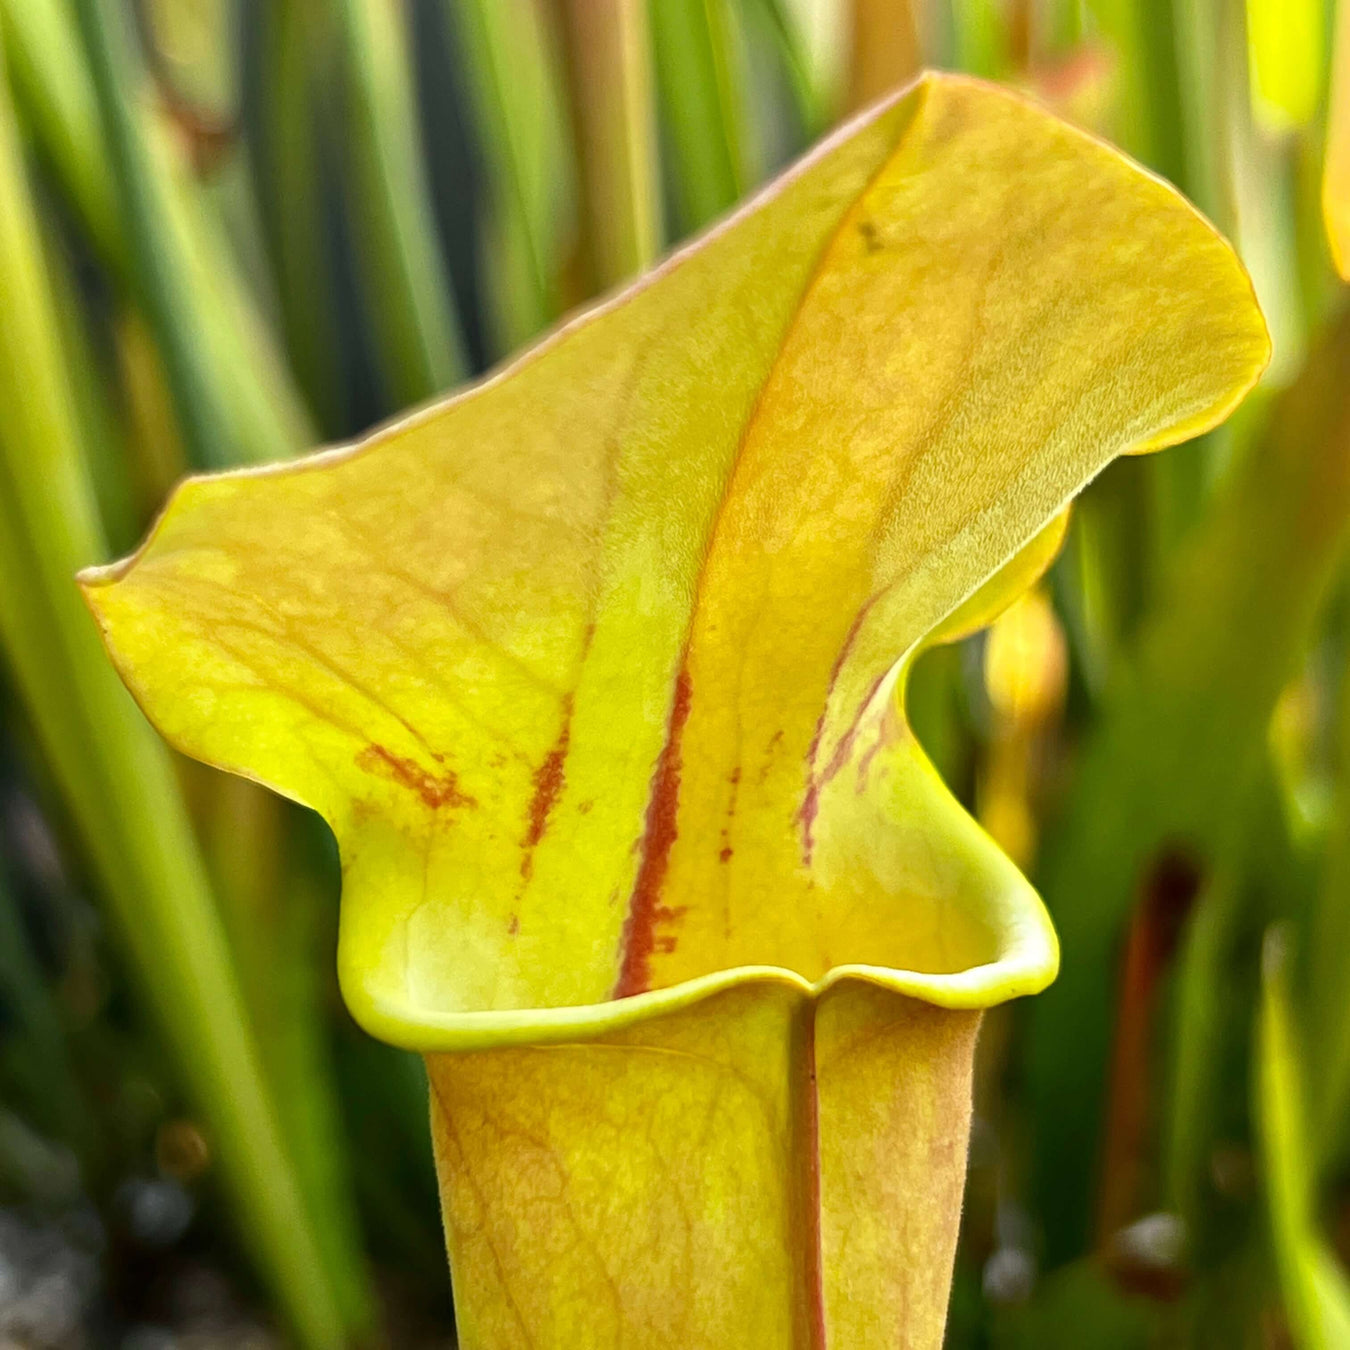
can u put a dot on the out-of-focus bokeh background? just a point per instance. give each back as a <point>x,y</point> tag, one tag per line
<point>233,229</point>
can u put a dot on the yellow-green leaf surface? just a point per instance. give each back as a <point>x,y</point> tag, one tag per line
<point>597,673</point>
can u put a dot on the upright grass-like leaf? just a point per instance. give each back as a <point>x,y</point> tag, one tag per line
<point>701,107</point>
<point>195,51</point>
<point>885,49</point>
<point>52,1094</point>
<point>808,65</point>
<point>1181,736</point>
<point>1124,540</point>
<point>116,779</point>
<point>264,416</point>
<point>297,49</point>
<point>279,922</point>
<point>102,436</point>
<point>290,1067</point>
<point>980,36</point>
<point>1213,102</point>
<point>607,54</point>
<point>1265,199</point>
<point>1204,960</point>
<point>503,48</point>
<point>1285,46</point>
<point>47,70</point>
<point>1315,1288</point>
<point>1144,37</point>
<point>1235,170</point>
<point>1327,961</point>
<point>406,285</point>
<point>597,672</point>
<point>1211,74</point>
<point>157,265</point>
<point>1336,170</point>
<point>155,459</point>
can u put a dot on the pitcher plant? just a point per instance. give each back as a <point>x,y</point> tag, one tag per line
<point>597,672</point>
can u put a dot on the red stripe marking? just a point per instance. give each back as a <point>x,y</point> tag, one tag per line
<point>888,732</point>
<point>658,837</point>
<point>549,780</point>
<point>435,790</point>
<point>844,748</point>
<point>815,1261</point>
<point>811,802</point>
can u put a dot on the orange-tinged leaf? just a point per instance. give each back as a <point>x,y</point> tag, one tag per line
<point>674,1183</point>
<point>894,1124</point>
<point>1336,169</point>
<point>597,673</point>
<point>675,1216</point>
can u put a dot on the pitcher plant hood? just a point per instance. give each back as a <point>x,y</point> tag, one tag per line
<point>596,670</point>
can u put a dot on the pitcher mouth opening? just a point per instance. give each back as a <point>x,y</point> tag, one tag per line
<point>1023,960</point>
<point>906,893</point>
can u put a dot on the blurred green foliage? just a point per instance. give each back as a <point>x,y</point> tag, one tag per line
<point>233,229</point>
